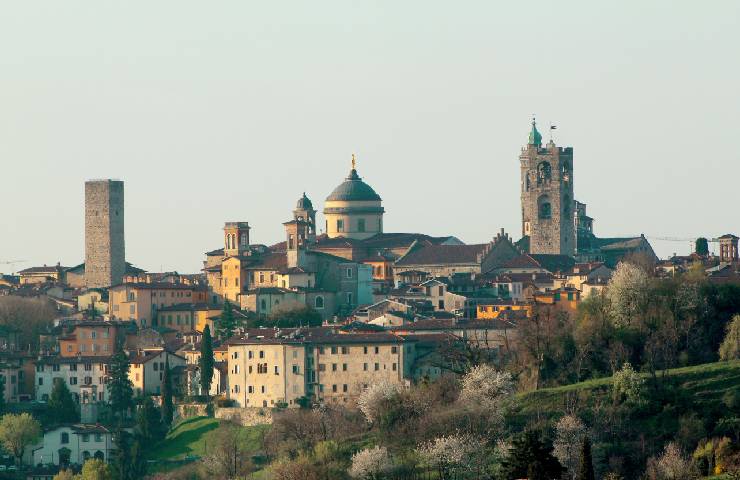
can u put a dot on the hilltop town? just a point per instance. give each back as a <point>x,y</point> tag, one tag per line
<point>342,343</point>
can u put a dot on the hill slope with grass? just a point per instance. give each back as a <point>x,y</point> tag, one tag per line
<point>682,405</point>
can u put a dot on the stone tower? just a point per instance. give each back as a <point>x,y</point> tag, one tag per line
<point>728,251</point>
<point>105,253</point>
<point>547,196</point>
<point>304,212</point>
<point>236,238</point>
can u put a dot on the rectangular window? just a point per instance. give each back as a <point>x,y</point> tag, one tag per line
<point>394,367</point>
<point>322,368</point>
<point>377,367</point>
<point>334,388</point>
<point>394,349</point>
<point>344,388</point>
<point>333,367</point>
<point>349,272</point>
<point>377,350</point>
<point>333,350</point>
<point>364,350</point>
<point>361,225</point>
<point>364,366</point>
<point>345,350</point>
<point>296,370</point>
<point>277,370</point>
<point>344,367</point>
<point>340,225</point>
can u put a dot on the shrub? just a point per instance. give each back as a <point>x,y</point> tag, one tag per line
<point>371,463</point>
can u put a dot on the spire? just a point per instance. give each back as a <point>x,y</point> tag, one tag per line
<point>353,173</point>
<point>534,136</point>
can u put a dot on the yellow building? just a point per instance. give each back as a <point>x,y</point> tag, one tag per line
<point>492,310</point>
<point>140,302</point>
<point>268,368</point>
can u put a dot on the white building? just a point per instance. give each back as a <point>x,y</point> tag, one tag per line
<point>76,372</point>
<point>147,370</point>
<point>72,444</point>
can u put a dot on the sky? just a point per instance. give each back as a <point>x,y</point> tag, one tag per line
<point>228,111</point>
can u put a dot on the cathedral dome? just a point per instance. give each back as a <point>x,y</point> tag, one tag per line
<point>353,189</point>
<point>304,203</point>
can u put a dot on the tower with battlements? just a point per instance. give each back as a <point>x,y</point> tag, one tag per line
<point>105,251</point>
<point>547,196</point>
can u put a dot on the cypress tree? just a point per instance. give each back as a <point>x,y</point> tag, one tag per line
<point>120,389</point>
<point>167,406</point>
<point>226,323</point>
<point>205,362</point>
<point>62,407</point>
<point>149,421</point>
<point>586,468</point>
<point>2,395</point>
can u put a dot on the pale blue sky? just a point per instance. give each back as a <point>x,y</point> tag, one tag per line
<point>226,111</point>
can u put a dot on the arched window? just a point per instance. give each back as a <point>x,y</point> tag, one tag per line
<point>544,172</point>
<point>319,302</point>
<point>64,454</point>
<point>99,455</point>
<point>86,455</point>
<point>544,208</point>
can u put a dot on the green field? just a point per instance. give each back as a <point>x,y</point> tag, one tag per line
<point>188,438</point>
<point>705,384</point>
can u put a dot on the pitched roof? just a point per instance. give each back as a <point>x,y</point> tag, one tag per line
<point>555,263</point>
<point>442,254</point>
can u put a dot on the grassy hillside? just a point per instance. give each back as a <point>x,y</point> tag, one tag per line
<point>704,384</point>
<point>188,439</point>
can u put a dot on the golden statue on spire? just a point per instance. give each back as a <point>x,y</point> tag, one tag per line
<point>353,161</point>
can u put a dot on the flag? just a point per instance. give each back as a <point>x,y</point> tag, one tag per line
<point>553,127</point>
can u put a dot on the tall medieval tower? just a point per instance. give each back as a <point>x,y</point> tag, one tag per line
<point>105,254</point>
<point>547,196</point>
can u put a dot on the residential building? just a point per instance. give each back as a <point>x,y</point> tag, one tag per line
<point>147,370</point>
<point>84,375</point>
<point>140,302</point>
<point>73,444</point>
<point>268,368</point>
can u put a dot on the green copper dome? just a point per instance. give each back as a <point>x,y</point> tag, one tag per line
<point>534,136</point>
<point>353,189</point>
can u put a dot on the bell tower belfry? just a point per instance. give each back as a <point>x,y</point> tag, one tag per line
<point>547,196</point>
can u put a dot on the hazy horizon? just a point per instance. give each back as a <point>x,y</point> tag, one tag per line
<point>229,112</point>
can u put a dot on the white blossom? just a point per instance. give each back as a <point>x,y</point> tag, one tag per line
<point>485,387</point>
<point>569,434</point>
<point>456,451</point>
<point>369,400</point>
<point>672,465</point>
<point>370,463</point>
<point>627,292</point>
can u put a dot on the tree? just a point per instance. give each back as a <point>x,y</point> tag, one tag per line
<point>627,291</point>
<point>450,454</point>
<point>167,406</point>
<point>227,454</point>
<point>226,323</point>
<point>64,475</point>
<point>730,348</point>
<point>18,432</point>
<point>672,465</point>
<point>487,388</point>
<point>586,467</point>
<point>370,400</point>
<point>129,462</point>
<point>371,463</point>
<point>149,421</point>
<point>702,246</point>
<point>205,362</point>
<point>628,384</point>
<point>120,389</point>
<point>95,469</point>
<point>62,407</point>
<point>529,454</point>
<point>297,317</point>
<point>31,316</point>
<point>2,395</point>
<point>569,434</point>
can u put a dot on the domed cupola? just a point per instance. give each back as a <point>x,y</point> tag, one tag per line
<point>353,209</point>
